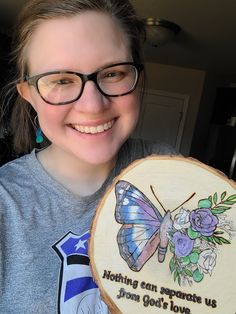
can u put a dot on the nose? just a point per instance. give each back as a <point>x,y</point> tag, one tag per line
<point>91,100</point>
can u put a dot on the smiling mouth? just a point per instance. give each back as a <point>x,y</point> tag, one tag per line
<point>94,129</point>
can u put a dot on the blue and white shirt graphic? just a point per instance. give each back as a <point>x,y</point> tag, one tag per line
<point>78,293</point>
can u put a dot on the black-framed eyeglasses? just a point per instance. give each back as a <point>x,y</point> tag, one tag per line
<point>65,87</point>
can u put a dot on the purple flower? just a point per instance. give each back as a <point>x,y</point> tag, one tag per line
<point>183,244</point>
<point>203,221</point>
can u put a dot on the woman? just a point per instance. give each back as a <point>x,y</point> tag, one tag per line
<point>79,80</point>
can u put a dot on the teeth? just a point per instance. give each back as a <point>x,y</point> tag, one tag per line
<point>106,127</point>
<point>94,129</point>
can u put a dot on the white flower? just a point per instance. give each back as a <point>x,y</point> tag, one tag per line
<point>207,261</point>
<point>181,220</point>
<point>227,226</point>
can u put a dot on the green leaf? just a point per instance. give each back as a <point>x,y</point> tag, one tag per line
<point>204,203</point>
<point>215,198</point>
<point>223,240</point>
<point>194,257</point>
<point>229,202</point>
<point>172,264</point>
<point>221,207</point>
<point>193,234</point>
<point>217,211</point>
<point>223,195</point>
<point>217,240</point>
<point>188,272</point>
<point>218,232</point>
<point>232,198</point>
<point>197,276</point>
<point>185,260</point>
<point>176,274</point>
<point>210,198</point>
<point>196,250</point>
<point>209,239</point>
<point>179,280</point>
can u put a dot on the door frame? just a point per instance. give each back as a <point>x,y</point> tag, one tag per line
<point>185,100</point>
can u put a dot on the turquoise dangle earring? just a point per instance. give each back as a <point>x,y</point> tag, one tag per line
<point>38,132</point>
<point>39,136</point>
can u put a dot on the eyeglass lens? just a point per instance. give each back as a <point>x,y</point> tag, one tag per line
<point>66,87</point>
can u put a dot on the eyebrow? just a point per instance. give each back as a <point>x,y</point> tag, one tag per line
<point>64,70</point>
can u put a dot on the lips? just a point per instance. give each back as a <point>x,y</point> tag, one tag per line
<point>94,129</point>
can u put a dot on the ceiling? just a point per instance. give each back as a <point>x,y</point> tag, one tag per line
<point>207,40</point>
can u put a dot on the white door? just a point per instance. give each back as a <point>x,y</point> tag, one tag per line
<point>162,117</point>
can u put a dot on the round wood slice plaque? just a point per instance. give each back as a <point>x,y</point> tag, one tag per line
<point>163,239</point>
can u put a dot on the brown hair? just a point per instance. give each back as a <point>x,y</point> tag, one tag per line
<point>34,13</point>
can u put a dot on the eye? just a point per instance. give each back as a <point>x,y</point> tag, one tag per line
<point>62,81</point>
<point>112,75</point>
<point>58,80</point>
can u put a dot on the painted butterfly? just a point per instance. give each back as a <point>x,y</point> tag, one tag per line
<point>144,229</point>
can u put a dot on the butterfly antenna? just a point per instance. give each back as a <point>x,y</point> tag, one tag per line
<point>152,189</point>
<point>184,202</point>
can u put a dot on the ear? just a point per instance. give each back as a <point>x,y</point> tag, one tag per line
<point>24,91</point>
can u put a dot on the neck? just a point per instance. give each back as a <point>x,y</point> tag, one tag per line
<point>77,176</point>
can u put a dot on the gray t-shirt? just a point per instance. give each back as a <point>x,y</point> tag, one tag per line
<point>44,231</point>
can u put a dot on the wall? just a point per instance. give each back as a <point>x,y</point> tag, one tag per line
<point>183,81</point>
<point>4,67</point>
<point>201,146</point>
<point>205,133</point>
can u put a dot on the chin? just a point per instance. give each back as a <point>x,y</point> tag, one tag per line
<point>101,156</point>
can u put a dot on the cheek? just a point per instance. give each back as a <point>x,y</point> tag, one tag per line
<point>51,117</point>
<point>45,111</point>
<point>134,108</point>
<point>131,105</point>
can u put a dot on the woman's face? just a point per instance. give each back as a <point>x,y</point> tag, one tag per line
<point>93,128</point>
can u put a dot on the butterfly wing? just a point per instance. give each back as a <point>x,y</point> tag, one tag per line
<point>138,238</point>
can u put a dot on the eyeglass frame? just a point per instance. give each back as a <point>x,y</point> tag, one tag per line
<point>33,81</point>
